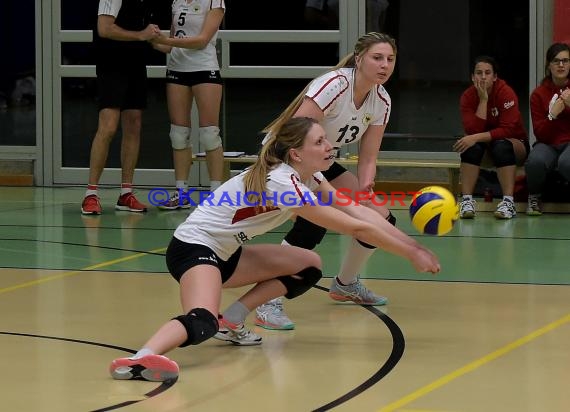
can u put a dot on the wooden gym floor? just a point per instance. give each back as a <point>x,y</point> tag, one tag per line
<point>489,333</point>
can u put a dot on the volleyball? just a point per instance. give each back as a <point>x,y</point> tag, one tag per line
<point>434,210</point>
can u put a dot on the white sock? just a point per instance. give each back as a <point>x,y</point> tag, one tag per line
<point>91,190</point>
<point>181,184</point>
<point>126,188</point>
<point>510,198</point>
<point>467,197</point>
<point>355,257</point>
<point>141,353</point>
<point>214,184</point>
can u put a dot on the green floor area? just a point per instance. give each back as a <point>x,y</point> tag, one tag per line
<point>43,228</point>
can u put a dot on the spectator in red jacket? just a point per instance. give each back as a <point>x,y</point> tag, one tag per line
<point>550,113</point>
<point>493,124</point>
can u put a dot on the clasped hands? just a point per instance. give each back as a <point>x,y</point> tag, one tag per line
<point>152,31</point>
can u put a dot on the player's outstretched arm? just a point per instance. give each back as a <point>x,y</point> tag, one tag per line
<point>377,232</point>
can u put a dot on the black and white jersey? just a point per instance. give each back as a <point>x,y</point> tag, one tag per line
<point>132,15</point>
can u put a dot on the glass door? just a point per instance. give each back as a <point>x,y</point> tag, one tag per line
<point>264,63</point>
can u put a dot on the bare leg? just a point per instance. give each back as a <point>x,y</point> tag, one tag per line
<point>130,144</point>
<point>469,175</point>
<point>108,124</point>
<point>179,100</point>
<point>182,163</point>
<point>200,287</point>
<point>208,99</point>
<point>506,177</point>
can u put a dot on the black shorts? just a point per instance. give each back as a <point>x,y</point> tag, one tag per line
<point>334,171</point>
<point>193,78</point>
<point>122,90</point>
<point>181,256</point>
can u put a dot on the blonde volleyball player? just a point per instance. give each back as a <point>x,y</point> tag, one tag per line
<point>352,105</point>
<point>207,252</point>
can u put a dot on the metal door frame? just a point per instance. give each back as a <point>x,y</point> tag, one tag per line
<point>53,172</point>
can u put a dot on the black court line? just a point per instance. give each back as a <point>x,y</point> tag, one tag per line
<point>157,391</point>
<point>398,346</point>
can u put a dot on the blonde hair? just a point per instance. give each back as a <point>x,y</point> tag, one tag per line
<point>362,45</point>
<point>275,151</point>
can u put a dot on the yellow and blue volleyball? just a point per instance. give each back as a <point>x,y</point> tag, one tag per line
<point>434,210</point>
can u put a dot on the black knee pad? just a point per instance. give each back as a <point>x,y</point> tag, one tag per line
<point>502,153</point>
<point>296,287</point>
<point>474,154</point>
<point>200,325</point>
<point>305,234</point>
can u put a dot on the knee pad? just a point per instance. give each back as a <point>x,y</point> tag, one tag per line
<point>180,137</point>
<point>200,325</point>
<point>503,153</point>
<point>210,137</point>
<point>474,154</point>
<point>296,287</point>
<point>305,234</point>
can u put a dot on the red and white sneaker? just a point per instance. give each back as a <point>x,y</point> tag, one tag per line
<point>154,368</point>
<point>91,205</point>
<point>128,202</point>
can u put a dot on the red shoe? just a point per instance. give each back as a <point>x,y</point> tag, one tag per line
<point>128,202</point>
<point>91,205</point>
<point>154,368</point>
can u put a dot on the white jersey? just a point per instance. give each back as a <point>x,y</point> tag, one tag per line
<point>343,122</point>
<point>226,219</point>
<point>187,21</point>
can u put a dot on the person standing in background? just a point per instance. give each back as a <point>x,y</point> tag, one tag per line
<point>120,41</point>
<point>193,73</point>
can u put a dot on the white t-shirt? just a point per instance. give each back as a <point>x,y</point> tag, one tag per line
<point>226,219</point>
<point>343,122</point>
<point>187,21</point>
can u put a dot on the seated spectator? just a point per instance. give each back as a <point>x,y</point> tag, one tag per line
<point>493,124</point>
<point>550,114</point>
